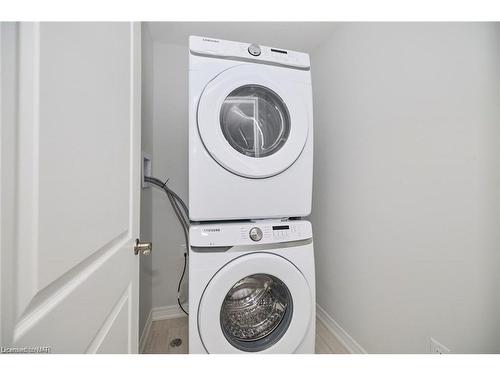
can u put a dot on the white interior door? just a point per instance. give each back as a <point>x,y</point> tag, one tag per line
<point>70,153</point>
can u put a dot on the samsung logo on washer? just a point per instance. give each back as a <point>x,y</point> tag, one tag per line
<point>211,230</point>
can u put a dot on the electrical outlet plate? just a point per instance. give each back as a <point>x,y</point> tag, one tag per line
<point>438,348</point>
<point>146,168</point>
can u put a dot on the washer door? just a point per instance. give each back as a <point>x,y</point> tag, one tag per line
<point>258,302</point>
<point>252,121</point>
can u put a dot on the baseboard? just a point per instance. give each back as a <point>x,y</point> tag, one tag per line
<point>350,344</point>
<point>145,332</point>
<point>174,311</point>
<point>166,312</point>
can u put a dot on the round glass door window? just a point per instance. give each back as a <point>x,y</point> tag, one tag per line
<point>256,312</point>
<point>255,121</point>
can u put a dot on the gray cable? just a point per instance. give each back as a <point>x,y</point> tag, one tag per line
<point>183,216</point>
<point>164,186</point>
<point>174,198</point>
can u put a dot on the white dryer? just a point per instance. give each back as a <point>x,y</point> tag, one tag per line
<point>251,287</point>
<point>250,131</point>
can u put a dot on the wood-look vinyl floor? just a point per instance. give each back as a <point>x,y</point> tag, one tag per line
<point>162,333</point>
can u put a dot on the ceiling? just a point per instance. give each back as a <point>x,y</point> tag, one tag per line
<point>299,36</point>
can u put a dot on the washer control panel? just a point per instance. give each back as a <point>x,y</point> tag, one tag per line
<point>248,233</point>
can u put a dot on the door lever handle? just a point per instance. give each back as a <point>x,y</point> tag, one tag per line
<point>144,248</point>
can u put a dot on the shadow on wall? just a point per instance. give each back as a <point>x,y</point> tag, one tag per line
<point>170,160</point>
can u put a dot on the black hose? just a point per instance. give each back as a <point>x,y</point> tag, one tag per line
<point>163,186</point>
<point>183,217</point>
<point>173,196</point>
<point>178,213</point>
<point>179,285</point>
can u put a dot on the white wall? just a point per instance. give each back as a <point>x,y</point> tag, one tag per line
<point>170,160</point>
<point>145,293</point>
<point>406,180</point>
<point>406,187</point>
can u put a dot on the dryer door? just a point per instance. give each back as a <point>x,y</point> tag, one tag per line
<point>259,302</point>
<point>253,120</point>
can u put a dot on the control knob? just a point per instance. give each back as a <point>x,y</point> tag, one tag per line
<point>255,234</point>
<point>254,50</point>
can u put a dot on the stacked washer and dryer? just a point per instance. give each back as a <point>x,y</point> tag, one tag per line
<point>251,260</point>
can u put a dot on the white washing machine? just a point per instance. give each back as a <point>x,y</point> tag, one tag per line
<point>252,287</point>
<point>250,131</point>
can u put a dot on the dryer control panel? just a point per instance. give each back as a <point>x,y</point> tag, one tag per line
<point>248,51</point>
<point>248,233</point>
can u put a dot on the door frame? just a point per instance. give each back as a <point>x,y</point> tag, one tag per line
<point>8,103</point>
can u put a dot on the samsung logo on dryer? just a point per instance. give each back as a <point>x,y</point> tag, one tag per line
<point>210,40</point>
<point>211,230</point>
